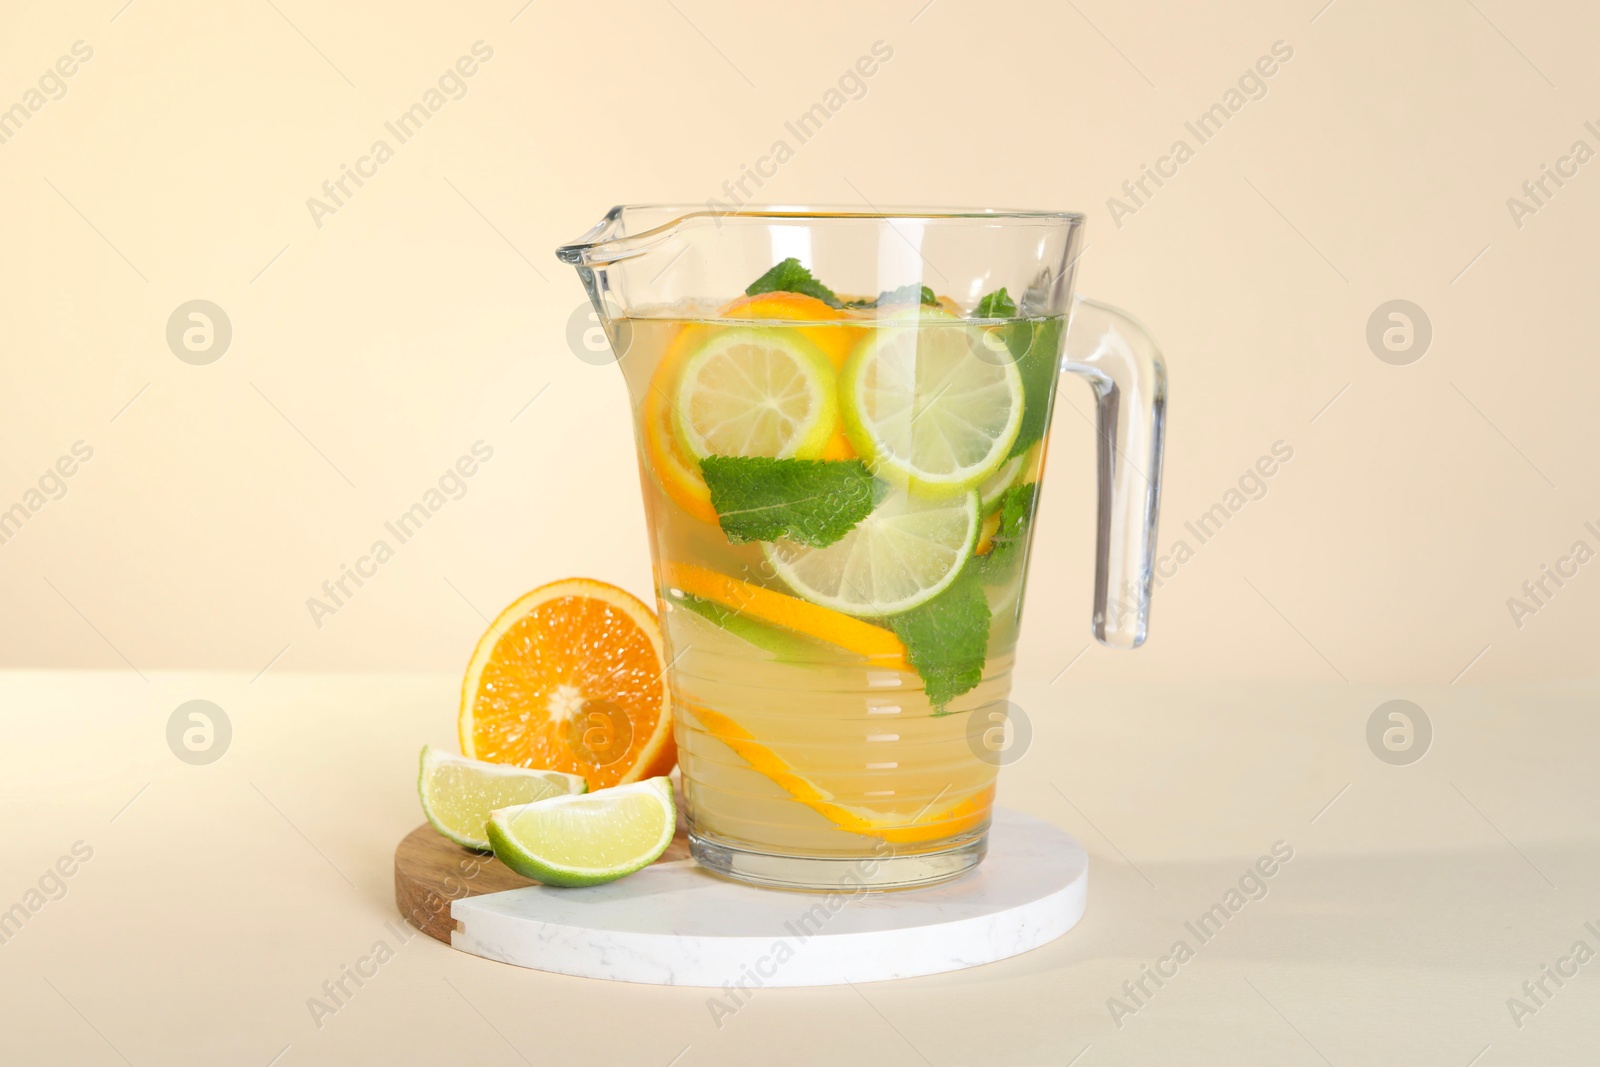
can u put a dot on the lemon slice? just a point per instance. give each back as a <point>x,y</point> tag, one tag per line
<point>586,840</point>
<point>905,553</point>
<point>459,793</point>
<point>934,407</point>
<point>756,391</point>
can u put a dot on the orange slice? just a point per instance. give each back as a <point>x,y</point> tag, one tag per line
<point>881,646</point>
<point>570,678</point>
<point>836,342</point>
<point>677,474</point>
<point>927,825</point>
<point>986,532</point>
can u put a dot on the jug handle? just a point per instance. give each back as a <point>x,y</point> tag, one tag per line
<point>1123,366</point>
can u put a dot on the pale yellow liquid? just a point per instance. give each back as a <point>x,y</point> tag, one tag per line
<point>876,769</point>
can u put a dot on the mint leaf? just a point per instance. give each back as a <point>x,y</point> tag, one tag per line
<point>947,639</point>
<point>790,277</point>
<point>1036,345</point>
<point>1016,506</point>
<point>812,502</point>
<point>997,305</point>
<point>906,294</point>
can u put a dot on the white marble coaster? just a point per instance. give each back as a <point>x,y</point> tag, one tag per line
<point>676,924</point>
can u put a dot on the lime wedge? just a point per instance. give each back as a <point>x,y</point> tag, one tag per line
<point>586,840</point>
<point>933,407</point>
<point>756,391</point>
<point>903,554</point>
<point>459,793</point>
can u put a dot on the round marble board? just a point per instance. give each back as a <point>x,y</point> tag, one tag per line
<point>674,923</point>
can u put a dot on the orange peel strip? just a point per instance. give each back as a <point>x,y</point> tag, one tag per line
<point>958,818</point>
<point>883,647</point>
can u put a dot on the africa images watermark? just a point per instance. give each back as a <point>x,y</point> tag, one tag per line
<point>451,85</point>
<point>1251,486</point>
<point>452,485</point>
<point>51,86</point>
<point>51,886</point>
<point>737,992</point>
<point>1538,191</point>
<point>1252,886</point>
<point>1536,992</point>
<point>51,486</point>
<point>1538,591</point>
<point>1252,85</point>
<point>851,86</point>
<point>338,991</point>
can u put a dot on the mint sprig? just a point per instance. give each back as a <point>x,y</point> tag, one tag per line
<point>996,305</point>
<point>1039,365</point>
<point>906,294</point>
<point>947,639</point>
<point>812,502</point>
<point>790,277</point>
<point>1015,506</point>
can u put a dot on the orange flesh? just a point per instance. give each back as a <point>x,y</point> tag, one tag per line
<point>542,681</point>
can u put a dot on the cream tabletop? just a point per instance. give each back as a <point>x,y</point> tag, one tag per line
<point>1331,906</point>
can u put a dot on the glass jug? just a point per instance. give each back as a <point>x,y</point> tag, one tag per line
<point>842,419</point>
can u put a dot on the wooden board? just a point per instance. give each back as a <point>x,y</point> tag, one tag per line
<point>430,871</point>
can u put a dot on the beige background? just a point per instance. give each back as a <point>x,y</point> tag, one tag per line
<point>425,315</point>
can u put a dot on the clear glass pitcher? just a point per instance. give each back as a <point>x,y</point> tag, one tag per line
<point>842,419</point>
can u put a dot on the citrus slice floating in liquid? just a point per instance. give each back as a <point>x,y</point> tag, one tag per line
<point>941,818</point>
<point>755,391</point>
<point>677,474</point>
<point>883,647</point>
<point>902,555</point>
<point>934,407</point>
<point>835,341</point>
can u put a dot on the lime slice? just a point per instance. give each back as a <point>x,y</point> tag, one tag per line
<point>933,407</point>
<point>459,793</point>
<point>586,840</point>
<point>996,484</point>
<point>753,391</point>
<point>903,554</point>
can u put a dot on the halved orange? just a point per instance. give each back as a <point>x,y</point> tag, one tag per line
<point>571,678</point>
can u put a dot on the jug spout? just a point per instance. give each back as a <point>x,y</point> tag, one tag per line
<point>619,259</point>
<point>608,240</point>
